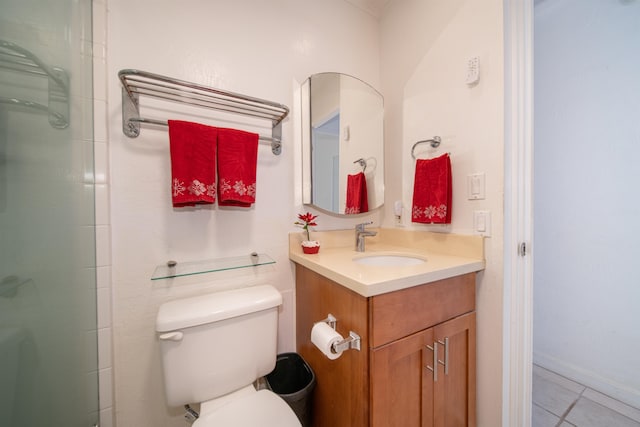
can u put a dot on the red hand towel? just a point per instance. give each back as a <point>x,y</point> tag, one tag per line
<point>193,160</point>
<point>432,191</point>
<point>237,159</point>
<point>357,199</point>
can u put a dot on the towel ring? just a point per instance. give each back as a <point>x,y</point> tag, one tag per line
<point>434,142</point>
<point>363,163</point>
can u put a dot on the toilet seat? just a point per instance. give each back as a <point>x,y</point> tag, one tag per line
<point>262,408</point>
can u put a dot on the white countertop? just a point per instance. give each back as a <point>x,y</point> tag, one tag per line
<point>447,255</point>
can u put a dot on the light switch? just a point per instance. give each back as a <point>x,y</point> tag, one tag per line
<point>476,186</point>
<point>473,70</point>
<point>346,133</point>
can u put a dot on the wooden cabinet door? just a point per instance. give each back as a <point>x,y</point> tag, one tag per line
<point>401,384</point>
<point>455,386</point>
<point>406,392</point>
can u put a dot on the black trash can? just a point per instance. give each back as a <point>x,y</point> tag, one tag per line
<point>294,381</point>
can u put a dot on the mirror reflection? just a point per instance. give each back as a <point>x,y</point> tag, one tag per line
<point>343,144</point>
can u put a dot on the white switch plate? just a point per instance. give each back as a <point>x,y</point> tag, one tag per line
<point>473,70</point>
<point>482,223</point>
<point>476,186</point>
<point>346,133</point>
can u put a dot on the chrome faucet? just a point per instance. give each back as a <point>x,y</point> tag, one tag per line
<point>361,233</point>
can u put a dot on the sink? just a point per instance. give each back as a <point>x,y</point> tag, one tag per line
<point>389,260</point>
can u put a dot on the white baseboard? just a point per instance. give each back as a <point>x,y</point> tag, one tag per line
<point>591,379</point>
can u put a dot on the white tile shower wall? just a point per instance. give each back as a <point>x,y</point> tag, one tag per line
<point>102,215</point>
<point>264,49</point>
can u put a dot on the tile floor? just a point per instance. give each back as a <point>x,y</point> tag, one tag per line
<point>560,402</point>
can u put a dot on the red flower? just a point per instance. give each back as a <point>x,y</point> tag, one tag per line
<point>306,221</point>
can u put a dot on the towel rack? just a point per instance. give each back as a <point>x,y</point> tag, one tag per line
<point>18,59</point>
<point>363,163</point>
<point>136,83</point>
<point>434,142</point>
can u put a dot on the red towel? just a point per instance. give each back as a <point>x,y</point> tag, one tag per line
<point>357,199</point>
<point>237,160</point>
<point>432,191</point>
<point>193,160</point>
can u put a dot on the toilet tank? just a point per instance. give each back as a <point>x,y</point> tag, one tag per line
<point>217,343</point>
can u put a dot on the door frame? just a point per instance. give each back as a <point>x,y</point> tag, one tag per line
<point>518,215</point>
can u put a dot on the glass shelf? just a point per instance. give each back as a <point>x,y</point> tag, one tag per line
<point>178,269</point>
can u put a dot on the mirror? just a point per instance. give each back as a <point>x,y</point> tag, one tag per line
<point>342,144</point>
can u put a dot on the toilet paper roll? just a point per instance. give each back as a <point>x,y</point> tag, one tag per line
<point>324,336</point>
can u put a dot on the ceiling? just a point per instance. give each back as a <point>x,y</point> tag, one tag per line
<point>374,7</point>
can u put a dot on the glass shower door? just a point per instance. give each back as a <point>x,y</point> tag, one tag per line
<point>48,331</point>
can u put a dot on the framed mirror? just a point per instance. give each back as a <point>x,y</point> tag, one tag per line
<point>342,144</point>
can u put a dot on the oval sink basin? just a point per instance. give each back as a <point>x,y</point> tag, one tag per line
<point>389,260</point>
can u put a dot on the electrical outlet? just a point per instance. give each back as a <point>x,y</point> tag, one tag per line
<point>482,223</point>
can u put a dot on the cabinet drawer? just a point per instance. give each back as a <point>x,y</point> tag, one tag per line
<point>398,314</point>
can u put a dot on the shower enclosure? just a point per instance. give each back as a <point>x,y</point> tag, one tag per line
<point>48,335</point>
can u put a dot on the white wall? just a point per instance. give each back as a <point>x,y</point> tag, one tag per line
<point>425,47</point>
<point>587,142</point>
<point>415,55</point>
<point>263,49</point>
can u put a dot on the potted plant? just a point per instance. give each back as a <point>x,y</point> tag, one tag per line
<point>305,221</point>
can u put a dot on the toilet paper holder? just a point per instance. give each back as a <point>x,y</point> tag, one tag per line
<point>351,342</point>
<point>330,320</point>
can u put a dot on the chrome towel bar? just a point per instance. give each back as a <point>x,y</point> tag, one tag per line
<point>136,83</point>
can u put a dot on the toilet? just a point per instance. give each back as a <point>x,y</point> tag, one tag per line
<point>213,349</point>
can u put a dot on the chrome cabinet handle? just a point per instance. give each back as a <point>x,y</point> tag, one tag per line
<point>436,360</point>
<point>434,368</point>
<point>445,363</point>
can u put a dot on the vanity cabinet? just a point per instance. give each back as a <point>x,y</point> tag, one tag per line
<point>392,380</point>
<point>425,379</point>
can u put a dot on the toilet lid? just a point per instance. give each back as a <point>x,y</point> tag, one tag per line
<point>263,408</point>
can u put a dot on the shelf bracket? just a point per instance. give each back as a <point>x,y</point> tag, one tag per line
<point>130,109</point>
